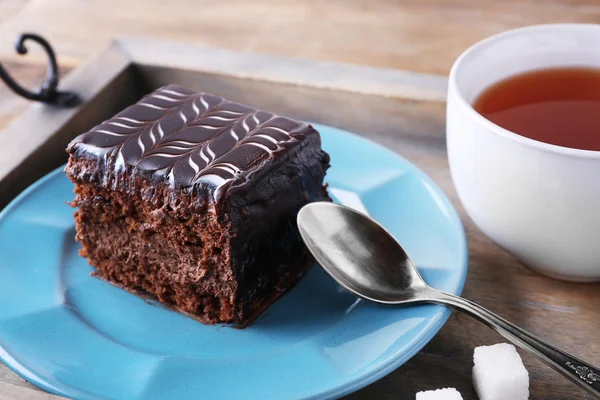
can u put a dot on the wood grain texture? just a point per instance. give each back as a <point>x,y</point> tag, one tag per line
<point>9,391</point>
<point>565,314</point>
<point>415,35</point>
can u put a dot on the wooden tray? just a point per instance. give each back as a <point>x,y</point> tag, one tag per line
<point>402,110</point>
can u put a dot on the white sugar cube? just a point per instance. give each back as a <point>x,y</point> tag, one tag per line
<point>499,373</point>
<point>440,394</point>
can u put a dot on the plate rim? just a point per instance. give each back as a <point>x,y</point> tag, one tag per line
<point>358,381</point>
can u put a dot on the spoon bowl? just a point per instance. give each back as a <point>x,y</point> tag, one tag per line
<point>356,252</point>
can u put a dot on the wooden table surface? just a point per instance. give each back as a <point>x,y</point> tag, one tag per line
<point>416,35</point>
<point>413,35</point>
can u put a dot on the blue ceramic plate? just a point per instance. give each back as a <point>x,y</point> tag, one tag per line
<point>80,337</point>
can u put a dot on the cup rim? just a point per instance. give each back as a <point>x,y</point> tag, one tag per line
<point>497,129</point>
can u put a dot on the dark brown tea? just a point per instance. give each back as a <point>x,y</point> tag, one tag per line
<point>559,106</point>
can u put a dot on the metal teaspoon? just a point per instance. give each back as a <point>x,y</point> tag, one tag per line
<point>367,261</point>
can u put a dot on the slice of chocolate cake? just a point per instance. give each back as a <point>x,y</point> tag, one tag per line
<point>192,199</point>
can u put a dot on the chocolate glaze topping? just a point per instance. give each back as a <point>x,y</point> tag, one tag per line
<point>189,138</point>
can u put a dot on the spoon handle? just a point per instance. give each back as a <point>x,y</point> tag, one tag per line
<point>573,368</point>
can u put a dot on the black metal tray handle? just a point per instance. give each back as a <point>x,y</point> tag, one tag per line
<point>47,93</point>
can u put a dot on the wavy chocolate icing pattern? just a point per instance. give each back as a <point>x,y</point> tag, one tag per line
<point>191,137</point>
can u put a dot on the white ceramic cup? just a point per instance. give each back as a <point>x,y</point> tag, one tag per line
<point>538,201</point>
